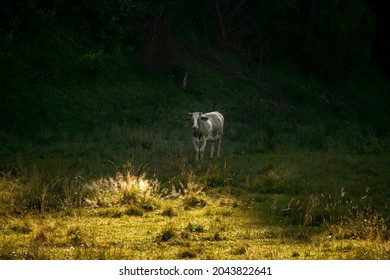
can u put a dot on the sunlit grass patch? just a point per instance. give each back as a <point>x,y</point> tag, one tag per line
<point>110,213</point>
<point>167,233</point>
<point>188,254</point>
<point>195,227</point>
<point>22,226</point>
<point>169,212</point>
<point>192,201</point>
<point>134,211</point>
<point>128,186</point>
<point>128,215</point>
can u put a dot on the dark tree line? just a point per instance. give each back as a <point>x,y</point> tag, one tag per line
<point>324,37</point>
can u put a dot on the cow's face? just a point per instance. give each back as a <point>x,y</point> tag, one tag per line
<point>196,118</point>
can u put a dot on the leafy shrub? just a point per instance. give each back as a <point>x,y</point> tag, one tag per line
<point>331,36</point>
<point>93,62</point>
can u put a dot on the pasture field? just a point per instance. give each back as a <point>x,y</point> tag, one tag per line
<point>96,159</point>
<point>152,204</point>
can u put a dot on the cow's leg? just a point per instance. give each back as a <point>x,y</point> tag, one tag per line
<point>212,150</point>
<point>196,146</point>
<point>202,147</point>
<point>219,146</point>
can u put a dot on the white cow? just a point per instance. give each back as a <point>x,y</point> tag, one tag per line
<point>206,127</point>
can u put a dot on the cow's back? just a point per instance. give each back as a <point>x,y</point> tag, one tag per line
<point>217,121</point>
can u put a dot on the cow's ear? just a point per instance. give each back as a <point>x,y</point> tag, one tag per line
<point>204,118</point>
<point>189,115</point>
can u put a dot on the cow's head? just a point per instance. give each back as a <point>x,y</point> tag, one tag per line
<point>196,118</point>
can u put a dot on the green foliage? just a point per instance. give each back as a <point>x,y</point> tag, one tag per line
<point>63,74</point>
<point>335,27</point>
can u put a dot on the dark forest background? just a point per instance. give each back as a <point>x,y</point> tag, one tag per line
<point>302,73</point>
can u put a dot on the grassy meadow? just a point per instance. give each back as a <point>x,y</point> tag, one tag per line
<point>77,200</point>
<point>96,158</point>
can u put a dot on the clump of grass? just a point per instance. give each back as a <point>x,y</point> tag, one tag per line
<point>40,237</point>
<point>169,212</point>
<point>218,231</point>
<point>168,233</point>
<point>195,228</point>
<point>241,250</point>
<point>364,224</point>
<point>29,190</point>
<point>130,196</point>
<point>192,201</point>
<point>23,227</point>
<point>315,209</point>
<point>364,253</point>
<point>138,190</point>
<point>295,254</point>
<point>135,196</point>
<point>187,254</point>
<point>7,248</point>
<point>216,236</point>
<point>7,186</point>
<point>129,186</point>
<point>36,252</point>
<point>76,236</point>
<point>74,191</point>
<point>217,177</point>
<point>133,210</point>
<point>193,194</point>
<point>33,189</point>
<point>344,216</point>
<point>110,213</point>
<point>37,245</point>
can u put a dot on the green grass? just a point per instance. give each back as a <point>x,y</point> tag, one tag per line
<point>264,206</point>
<point>96,160</point>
